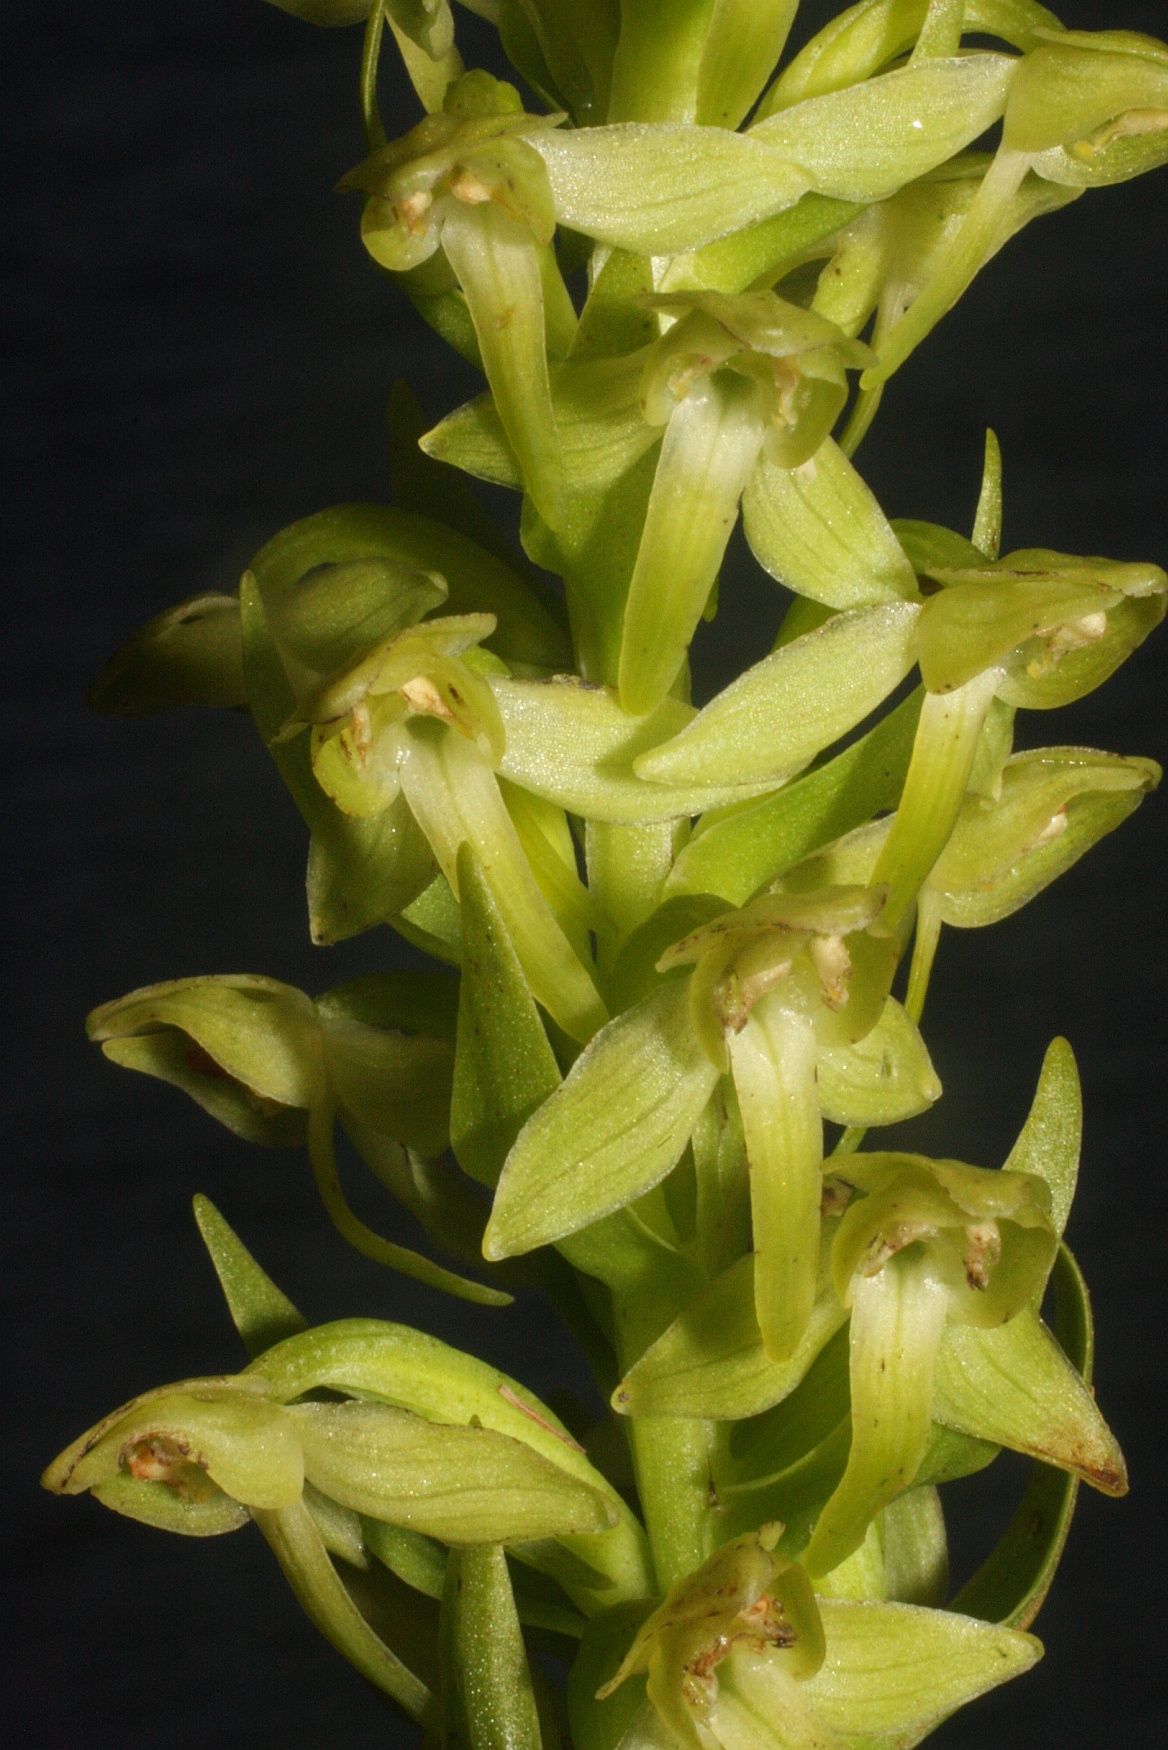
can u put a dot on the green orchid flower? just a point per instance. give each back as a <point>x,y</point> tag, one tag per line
<point>742,1653</point>
<point>1048,807</point>
<point>781,996</point>
<point>1084,108</point>
<point>468,182</point>
<point>1034,629</point>
<point>437,1447</point>
<point>279,1069</point>
<point>413,720</point>
<point>926,1242</point>
<point>730,378</point>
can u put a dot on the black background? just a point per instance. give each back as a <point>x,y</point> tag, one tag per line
<point>202,354</point>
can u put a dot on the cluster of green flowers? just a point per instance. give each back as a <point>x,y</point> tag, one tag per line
<point>677,931</point>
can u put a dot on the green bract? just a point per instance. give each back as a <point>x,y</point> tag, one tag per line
<point>685,931</point>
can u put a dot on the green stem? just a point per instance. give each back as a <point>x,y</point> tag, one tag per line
<point>375,135</point>
<point>671,1457</point>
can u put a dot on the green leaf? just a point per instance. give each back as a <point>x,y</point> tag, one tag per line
<point>1012,1583</point>
<point>504,1067</point>
<point>190,655</point>
<point>462,1485</point>
<point>711,1363</point>
<point>819,530</point>
<point>598,417</point>
<point>612,1131</point>
<point>885,1077</point>
<point>894,1671</point>
<point>488,1701</point>
<point>407,1368</point>
<point>657,188</point>
<point>915,1548</point>
<point>861,40</point>
<point>744,39</point>
<point>1048,1143</point>
<point>791,705</point>
<point>261,1312</point>
<point>734,852</point>
<point>757,255</point>
<point>866,141</point>
<point>569,741</point>
<point>1016,1387</point>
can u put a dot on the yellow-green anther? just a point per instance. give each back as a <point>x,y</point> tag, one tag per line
<point>928,1241</point>
<point>743,1593</point>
